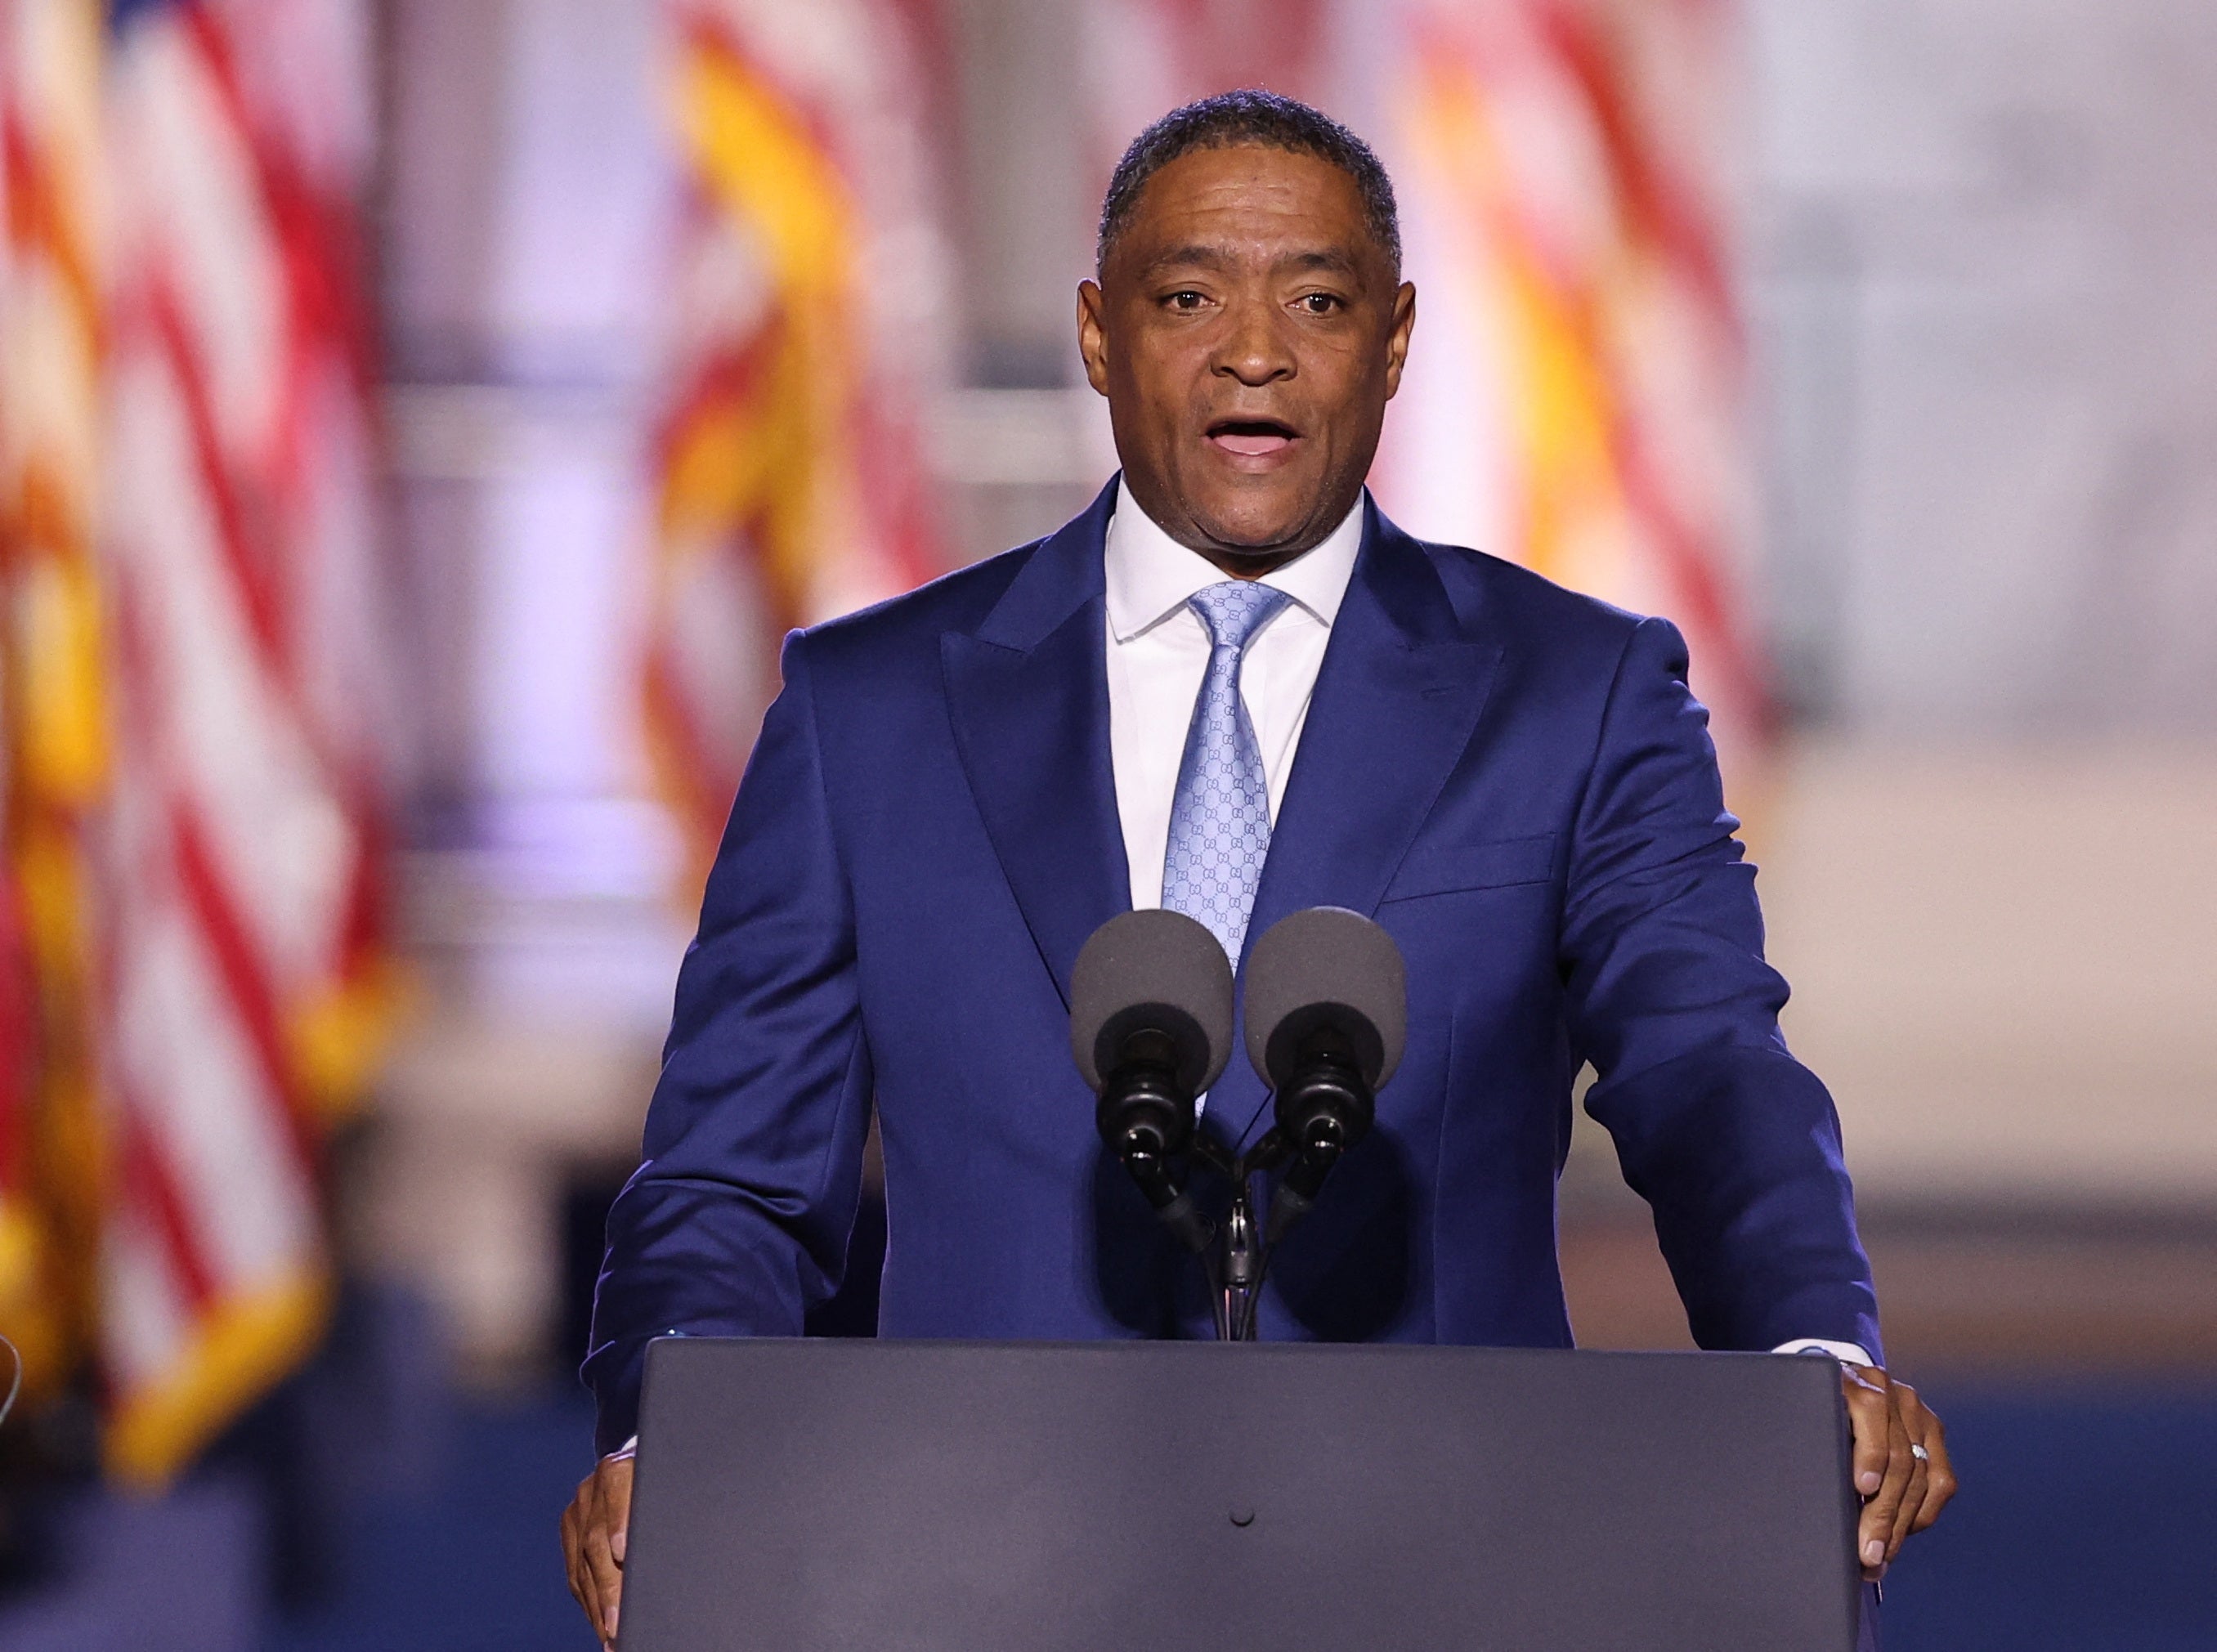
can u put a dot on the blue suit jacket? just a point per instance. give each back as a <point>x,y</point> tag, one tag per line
<point>1514,779</point>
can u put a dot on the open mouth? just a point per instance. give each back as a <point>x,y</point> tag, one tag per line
<point>1252,438</point>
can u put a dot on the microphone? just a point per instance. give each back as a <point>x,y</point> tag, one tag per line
<point>1150,1029</point>
<point>1327,1021</point>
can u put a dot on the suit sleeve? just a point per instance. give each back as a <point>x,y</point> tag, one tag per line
<point>1734,1143</point>
<point>737,1221</point>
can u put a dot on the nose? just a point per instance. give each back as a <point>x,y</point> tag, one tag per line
<point>1252,348</point>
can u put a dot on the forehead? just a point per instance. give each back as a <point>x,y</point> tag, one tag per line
<point>1252,194</point>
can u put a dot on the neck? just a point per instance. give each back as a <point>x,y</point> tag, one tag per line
<point>1241,564</point>
<point>1248,562</point>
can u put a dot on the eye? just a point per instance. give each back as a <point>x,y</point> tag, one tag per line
<point>1186,300</point>
<point>1320,303</point>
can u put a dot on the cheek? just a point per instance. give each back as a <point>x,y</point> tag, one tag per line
<point>1160,391</point>
<point>1352,385</point>
<point>1337,367</point>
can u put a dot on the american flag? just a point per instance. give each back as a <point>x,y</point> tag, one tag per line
<point>1573,397</point>
<point>245,968</point>
<point>810,329</point>
<point>53,728</point>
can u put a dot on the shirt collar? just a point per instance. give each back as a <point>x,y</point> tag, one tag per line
<point>1151,575</point>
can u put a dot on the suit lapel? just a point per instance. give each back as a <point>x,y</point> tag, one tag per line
<point>1028,696</point>
<point>1396,703</point>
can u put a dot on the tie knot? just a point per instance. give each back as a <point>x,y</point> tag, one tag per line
<point>1235,610</point>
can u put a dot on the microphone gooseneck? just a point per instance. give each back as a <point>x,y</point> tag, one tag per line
<point>1323,1112</point>
<point>1146,1117</point>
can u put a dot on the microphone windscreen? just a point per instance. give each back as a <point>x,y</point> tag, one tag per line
<point>1326,968</point>
<point>1155,971</point>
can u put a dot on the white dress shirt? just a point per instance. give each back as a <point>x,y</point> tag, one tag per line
<point>1159,654</point>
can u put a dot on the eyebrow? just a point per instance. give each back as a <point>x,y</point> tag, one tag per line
<point>1331,258</point>
<point>1201,256</point>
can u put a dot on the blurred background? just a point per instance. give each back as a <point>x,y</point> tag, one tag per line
<point>421,418</point>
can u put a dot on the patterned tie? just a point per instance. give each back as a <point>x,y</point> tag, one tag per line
<point>1221,815</point>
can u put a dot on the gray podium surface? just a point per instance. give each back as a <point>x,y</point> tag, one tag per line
<point>979,1496</point>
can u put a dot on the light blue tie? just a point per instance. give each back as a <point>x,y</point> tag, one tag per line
<point>1220,815</point>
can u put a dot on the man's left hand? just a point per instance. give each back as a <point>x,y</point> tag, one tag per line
<point>1902,1490</point>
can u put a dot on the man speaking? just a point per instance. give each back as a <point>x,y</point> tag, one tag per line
<point>1234,688</point>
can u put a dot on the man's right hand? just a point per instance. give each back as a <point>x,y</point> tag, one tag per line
<point>593,1528</point>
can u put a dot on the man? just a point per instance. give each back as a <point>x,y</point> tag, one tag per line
<point>1233,651</point>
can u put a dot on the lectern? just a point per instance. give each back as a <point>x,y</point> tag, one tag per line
<point>794,1496</point>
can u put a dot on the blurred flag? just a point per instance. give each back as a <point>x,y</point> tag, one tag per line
<point>53,747</point>
<point>27,1305</point>
<point>1573,398</point>
<point>808,315</point>
<point>1145,57</point>
<point>243,875</point>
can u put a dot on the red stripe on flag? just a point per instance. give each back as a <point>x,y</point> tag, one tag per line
<point>252,573</point>
<point>1661,210</point>
<point>35,216</point>
<point>315,241</point>
<point>1690,565</point>
<point>245,981</point>
<point>154,1193</point>
<point>726,378</point>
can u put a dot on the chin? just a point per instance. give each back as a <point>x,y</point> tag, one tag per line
<point>1253,525</point>
<point>1243,537</point>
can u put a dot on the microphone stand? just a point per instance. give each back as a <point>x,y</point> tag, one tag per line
<point>1237,1256</point>
<point>1245,1259</point>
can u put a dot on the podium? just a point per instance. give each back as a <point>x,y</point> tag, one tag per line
<point>987,1497</point>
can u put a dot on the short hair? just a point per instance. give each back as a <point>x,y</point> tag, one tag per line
<point>1252,116</point>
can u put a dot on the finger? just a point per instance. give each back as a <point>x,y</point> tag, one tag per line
<point>573,1559</point>
<point>616,1520</point>
<point>589,1582</point>
<point>587,1588</point>
<point>1914,1417</point>
<point>1867,1414</point>
<point>615,1500</point>
<point>1913,1503</point>
<point>599,1578</point>
<point>1935,1483</point>
<point>1941,1485</point>
<point>1875,1534</point>
<point>568,1553</point>
<point>608,1580</point>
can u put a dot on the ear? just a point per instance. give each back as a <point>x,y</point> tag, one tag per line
<point>1093,335</point>
<point>1396,341</point>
